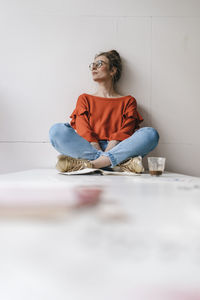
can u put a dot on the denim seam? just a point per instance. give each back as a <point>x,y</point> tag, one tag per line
<point>98,154</point>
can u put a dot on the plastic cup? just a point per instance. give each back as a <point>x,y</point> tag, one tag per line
<point>156,165</point>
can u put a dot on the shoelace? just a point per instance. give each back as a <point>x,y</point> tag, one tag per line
<point>74,164</point>
<point>79,165</point>
<point>133,165</point>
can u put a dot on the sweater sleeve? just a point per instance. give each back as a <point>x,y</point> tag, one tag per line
<point>80,120</point>
<point>130,121</point>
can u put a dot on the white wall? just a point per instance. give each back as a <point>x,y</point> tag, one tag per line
<point>46,47</point>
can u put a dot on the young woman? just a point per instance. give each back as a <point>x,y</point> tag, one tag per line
<point>104,131</point>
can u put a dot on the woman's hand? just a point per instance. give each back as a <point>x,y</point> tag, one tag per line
<point>111,144</point>
<point>96,145</point>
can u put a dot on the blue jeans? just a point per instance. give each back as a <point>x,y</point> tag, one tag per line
<point>66,141</point>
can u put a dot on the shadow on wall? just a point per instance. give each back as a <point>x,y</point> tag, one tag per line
<point>146,116</point>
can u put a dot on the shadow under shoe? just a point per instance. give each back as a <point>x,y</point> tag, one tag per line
<point>133,164</point>
<point>68,164</point>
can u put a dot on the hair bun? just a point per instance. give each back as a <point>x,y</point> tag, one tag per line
<point>114,52</point>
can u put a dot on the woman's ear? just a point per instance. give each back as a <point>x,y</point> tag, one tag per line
<point>114,70</point>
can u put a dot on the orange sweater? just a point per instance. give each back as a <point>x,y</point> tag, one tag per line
<point>98,118</point>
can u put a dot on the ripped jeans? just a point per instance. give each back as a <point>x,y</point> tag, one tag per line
<point>66,141</point>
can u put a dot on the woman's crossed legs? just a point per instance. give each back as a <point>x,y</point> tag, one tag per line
<point>66,141</point>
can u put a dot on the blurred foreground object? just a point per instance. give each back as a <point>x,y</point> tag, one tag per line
<point>29,199</point>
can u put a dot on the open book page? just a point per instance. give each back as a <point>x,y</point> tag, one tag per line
<point>88,171</point>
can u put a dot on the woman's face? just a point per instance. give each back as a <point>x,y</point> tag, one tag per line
<point>102,73</point>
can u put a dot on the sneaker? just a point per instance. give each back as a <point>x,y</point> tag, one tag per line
<point>133,164</point>
<point>69,164</point>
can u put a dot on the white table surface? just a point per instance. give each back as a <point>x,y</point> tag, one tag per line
<point>89,253</point>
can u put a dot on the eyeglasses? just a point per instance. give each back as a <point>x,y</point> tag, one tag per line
<point>98,64</point>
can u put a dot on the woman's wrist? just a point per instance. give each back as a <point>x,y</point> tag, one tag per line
<point>95,145</point>
<point>111,144</point>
